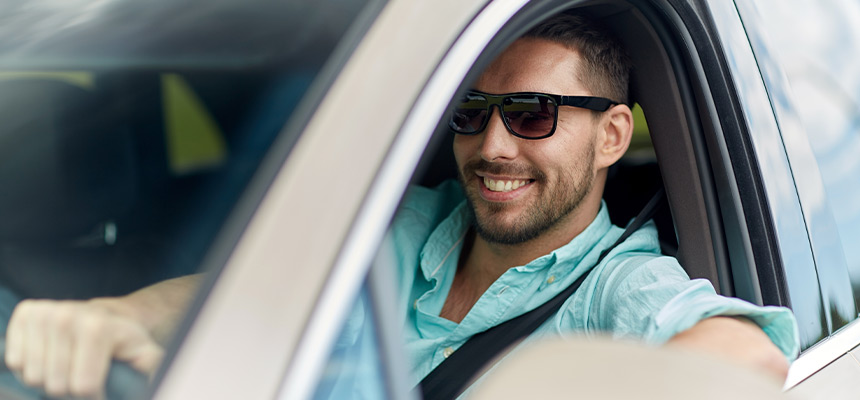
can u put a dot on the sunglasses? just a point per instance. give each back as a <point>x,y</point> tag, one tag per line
<point>526,115</point>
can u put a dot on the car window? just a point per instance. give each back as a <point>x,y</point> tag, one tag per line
<point>824,85</point>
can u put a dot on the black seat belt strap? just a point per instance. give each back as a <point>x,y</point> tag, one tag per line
<point>450,378</point>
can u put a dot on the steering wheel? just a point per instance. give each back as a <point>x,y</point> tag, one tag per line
<point>123,382</point>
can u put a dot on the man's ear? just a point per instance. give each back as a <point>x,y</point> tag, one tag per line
<point>616,130</point>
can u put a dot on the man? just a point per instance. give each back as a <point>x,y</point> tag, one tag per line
<point>526,220</point>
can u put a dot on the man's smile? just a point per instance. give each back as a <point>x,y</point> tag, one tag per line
<point>504,185</point>
<point>501,188</point>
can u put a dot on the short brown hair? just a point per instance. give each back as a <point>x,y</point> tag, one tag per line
<point>607,65</point>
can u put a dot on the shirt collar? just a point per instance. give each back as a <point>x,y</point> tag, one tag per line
<point>445,241</point>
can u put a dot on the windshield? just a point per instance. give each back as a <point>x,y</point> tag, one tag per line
<point>130,131</point>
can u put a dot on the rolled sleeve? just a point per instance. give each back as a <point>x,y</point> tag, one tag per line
<point>652,298</point>
<point>700,301</point>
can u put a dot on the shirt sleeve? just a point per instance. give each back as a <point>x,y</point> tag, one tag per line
<point>652,298</point>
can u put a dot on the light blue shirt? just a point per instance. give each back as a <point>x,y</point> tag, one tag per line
<point>635,292</point>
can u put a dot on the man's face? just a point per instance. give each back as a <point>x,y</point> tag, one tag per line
<point>519,188</point>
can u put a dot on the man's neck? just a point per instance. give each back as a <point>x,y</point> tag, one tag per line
<point>482,262</point>
<point>493,259</point>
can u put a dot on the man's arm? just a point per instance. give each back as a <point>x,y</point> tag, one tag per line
<point>737,339</point>
<point>66,346</point>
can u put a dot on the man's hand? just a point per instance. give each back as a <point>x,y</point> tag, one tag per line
<point>65,347</point>
<point>737,339</point>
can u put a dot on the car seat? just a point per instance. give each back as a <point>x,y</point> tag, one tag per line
<point>67,181</point>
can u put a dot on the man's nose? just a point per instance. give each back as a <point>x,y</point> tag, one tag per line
<point>498,144</point>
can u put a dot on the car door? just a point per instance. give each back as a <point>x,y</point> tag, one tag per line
<point>329,205</point>
<point>352,166</point>
<point>707,204</point>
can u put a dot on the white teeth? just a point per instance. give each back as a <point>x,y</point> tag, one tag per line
<point>503,186</point>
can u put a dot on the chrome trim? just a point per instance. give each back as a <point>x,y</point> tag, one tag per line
<point>384,195</point>
<point>825,352</point>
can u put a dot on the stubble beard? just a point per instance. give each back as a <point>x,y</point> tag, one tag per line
<point>554,202</point>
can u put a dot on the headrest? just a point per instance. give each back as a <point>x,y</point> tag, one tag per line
<point>66,164</point>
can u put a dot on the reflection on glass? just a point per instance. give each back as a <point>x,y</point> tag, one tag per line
<point>354,369</point>
<point>810,39</point>
<point>800,275</point>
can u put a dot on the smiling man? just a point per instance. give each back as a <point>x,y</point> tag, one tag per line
<point>534,139</point>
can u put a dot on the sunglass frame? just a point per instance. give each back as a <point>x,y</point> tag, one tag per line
<point>593,103</point>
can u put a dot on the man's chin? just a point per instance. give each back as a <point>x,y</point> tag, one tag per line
<point>501,222</point>
<point>502,215</point>
<point>500,235</point>
<point>494,229</point>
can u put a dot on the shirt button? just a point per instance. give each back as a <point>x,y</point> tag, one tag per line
<point>551,279</point>
<point>447,352</point>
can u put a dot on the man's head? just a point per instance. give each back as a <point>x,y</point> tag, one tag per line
<point>522,189</point>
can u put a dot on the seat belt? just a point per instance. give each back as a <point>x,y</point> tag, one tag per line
<point>450,378</point>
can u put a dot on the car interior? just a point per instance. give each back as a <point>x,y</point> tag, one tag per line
<point>104,206</point>
<point>124,155</point>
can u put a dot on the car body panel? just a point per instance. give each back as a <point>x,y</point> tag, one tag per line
<point>819,360</point>
<point>838,381</point>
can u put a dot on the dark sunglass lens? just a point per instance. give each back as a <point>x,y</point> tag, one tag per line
<point>530,115</point>
<point>468,116</point>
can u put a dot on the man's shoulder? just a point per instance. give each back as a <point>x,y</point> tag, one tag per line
<point>644,241</point>
<point>638,261</point>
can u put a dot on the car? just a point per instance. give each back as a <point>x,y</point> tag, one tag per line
<point>269,143</point>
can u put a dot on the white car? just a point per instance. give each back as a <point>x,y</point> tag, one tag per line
<point>269,143</point>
